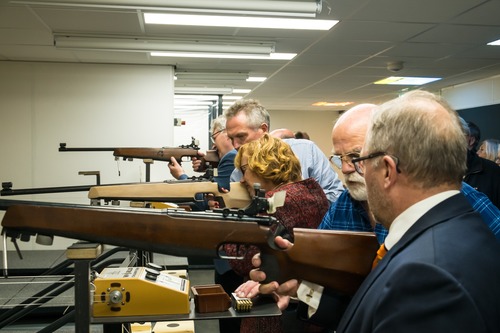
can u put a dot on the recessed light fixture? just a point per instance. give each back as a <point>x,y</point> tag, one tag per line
<point>495,43</point>
<point>408,81</point>
<point>332,103</point>
<point>238,21</point>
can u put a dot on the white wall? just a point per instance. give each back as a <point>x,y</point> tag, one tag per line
<point>197,125</point>
<point>473,94</point>
<point>83,105</point>
<point>318,124</point>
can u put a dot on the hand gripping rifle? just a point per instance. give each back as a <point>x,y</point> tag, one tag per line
<point>334,259</point>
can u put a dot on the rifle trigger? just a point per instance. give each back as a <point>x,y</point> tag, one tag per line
<point>278,229</point>
<point>240,252</point>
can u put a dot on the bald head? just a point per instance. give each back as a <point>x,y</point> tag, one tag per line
<point>349,131</point>
<point>282,133</point>
<point>357,116</point>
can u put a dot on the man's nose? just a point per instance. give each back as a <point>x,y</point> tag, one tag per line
<point>347,168</point>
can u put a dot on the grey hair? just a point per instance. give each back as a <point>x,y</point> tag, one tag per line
<point>465,126</point>
<point>218,124</point>
<point>430,151</point>
<point>255,112</point>
<point>491,148</point>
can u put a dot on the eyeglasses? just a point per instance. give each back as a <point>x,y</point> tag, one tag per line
<point>243,168</point>
<point>360,166</point>
<point>346,158</point>
<point>215,134</point>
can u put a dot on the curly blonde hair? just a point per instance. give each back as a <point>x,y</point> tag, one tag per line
<point>271,159</point>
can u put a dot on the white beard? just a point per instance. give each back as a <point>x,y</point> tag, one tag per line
<point>356,186</point>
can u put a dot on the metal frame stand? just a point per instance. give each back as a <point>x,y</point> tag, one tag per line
<point>82,258</point>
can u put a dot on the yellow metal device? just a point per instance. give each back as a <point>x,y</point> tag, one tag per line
<point>137,291</point>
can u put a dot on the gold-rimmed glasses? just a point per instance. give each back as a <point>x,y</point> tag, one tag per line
<point>345,158</point>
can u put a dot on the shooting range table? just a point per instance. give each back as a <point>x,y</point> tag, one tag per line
<point>262,309</point>
<point>84,318</point>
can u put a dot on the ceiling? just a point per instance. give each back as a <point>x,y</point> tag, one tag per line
<point>443,38</point>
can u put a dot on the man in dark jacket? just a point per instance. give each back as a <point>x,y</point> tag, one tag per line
<point>482,174</point>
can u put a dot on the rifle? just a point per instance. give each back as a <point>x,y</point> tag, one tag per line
<point>348,258</point>
<point>159,154</point>
<point>238,197</point>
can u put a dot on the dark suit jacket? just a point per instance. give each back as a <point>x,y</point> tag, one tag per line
<point>442,276</point>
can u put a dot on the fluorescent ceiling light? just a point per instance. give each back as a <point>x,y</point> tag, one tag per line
<point>332,103</point>
<point>217,49</point>
<point>183,108</point>
<point>215,76</point>
<point>197,97</point>
<point>495,43</point>
<point>256,79</point>
<point>254,7</point>
<point>238,21</point>
<point>147,45</point>
<point>203,90</point>
<point>409,81</point>
<point>272,56</point>
<point>231,98</point>
<point>193,102</point>
<point>241,91</point>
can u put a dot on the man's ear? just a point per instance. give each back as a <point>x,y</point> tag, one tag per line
<point>264,127</point>
<point>471,141</point>
<point>391,170</point>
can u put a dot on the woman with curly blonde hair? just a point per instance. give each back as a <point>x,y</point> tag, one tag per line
<point>271,162</point>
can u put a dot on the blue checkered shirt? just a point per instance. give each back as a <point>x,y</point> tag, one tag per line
<point>348,214</point>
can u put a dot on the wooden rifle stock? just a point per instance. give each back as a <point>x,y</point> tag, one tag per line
<point>159,154</point>
<point>166,153</point>
<point>334,259</point>
<point>238,197</point>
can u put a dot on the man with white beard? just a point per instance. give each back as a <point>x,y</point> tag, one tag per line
<point>351,211</point>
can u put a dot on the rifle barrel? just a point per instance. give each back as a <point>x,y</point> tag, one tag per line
<point>44,190</point>
<point>334,259</point>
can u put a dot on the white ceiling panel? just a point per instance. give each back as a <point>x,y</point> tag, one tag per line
<point>444,38</point>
